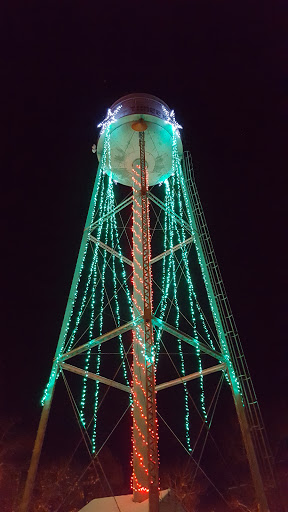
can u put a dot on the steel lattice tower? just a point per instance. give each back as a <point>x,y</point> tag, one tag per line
<point>139,147</point>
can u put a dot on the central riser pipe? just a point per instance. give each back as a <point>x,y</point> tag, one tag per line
<point>145,446</point>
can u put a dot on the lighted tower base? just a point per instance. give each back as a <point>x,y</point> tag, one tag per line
<point>167,503</point>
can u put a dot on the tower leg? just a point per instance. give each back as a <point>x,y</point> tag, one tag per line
<point>29,485</point>
<point>251,456</point>
<point>50,388</point>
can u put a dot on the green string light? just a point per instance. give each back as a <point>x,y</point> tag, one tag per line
<point>171,226</point>
<point>92,274</point>
<point>107,202</point>
<point>100,187</point>
<point>165,283</point>
<point>123,271</point>
<point>55,368</point>
<point>88,355</point>
<point>117,312</point>
<point>107,210</point>
<point>93,264</point>
<point>191,293</point>
<point>226,356</point>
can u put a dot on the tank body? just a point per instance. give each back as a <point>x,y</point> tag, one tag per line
<point>124,141</point>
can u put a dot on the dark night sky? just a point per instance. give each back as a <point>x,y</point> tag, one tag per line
<point>223,67</point>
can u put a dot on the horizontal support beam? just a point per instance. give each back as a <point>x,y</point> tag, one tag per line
<point>101,339</point>
<point>191,376</point>
<point>94,376</point>
<point>188,339</point>
<point>170,251</point>
<point>115,210</point>
<point>109,249</point>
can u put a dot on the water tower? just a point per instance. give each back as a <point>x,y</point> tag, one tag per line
<point>140,148</point>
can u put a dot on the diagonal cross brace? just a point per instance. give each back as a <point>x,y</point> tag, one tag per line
<point>191,376</point>
<point>109,249</point>
<point>177,217</point>
<point>117,209</point>
<point>173,249</point>
<point>94,376</point>
<point>101,339</point>
<point>188,339</point>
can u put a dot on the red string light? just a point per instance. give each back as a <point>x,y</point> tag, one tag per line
<point>140,360</point>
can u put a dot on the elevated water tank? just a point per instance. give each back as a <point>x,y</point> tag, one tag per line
<point>124,140</point>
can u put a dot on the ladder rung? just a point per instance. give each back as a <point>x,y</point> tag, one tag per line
<point>256,427</point>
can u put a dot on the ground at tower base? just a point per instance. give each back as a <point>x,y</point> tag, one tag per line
<point>167,503</point>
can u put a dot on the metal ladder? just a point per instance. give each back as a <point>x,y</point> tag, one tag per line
<point>254,417</point>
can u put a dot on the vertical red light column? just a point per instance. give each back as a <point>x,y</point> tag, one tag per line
<point>145,443</point>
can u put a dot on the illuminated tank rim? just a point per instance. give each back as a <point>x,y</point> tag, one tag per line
<point>147,107</point>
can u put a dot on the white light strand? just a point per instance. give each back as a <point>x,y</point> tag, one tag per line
<point>170,119</point>
<point>109,119</point>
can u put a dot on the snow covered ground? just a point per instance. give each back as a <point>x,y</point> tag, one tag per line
<point>122,504</point>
